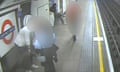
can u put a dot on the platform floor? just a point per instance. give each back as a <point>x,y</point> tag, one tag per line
<point>80,56</point>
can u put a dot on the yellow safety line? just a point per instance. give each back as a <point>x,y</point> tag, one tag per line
<point>101,60</point>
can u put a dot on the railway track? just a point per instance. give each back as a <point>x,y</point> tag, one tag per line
<point>110,12</point>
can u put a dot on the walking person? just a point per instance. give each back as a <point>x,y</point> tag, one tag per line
<point>60,16</point>
<point>53,9</point>
<point>23,41</point>
<point>72,16</point>
<point>57,15</point>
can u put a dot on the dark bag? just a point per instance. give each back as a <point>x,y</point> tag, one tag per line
<point>53,50</point>
<point>49,51</point>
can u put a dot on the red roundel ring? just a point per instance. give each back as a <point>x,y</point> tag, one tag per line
<point>7,22</point>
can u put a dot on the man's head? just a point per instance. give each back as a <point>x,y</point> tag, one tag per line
<point>26,19</point>
<point>38,23</point>
<point>54,5</point>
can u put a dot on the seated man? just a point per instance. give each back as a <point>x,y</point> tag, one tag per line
<point>44,39</point>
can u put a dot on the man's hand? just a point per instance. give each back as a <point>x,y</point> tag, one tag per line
<point>55,59</point>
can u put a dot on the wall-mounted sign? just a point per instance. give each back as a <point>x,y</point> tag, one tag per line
<point>8,30</point>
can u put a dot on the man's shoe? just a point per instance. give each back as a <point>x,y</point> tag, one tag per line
<point>74,38</point>
<point>55,59</point>
<point>28,71</point>
<point>35,66</point>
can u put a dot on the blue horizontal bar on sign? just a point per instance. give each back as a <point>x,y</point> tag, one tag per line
<point>7,32</point>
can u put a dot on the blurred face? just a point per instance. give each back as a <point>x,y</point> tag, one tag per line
<point>38,24</point>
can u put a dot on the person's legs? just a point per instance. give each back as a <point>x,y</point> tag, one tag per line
<point>55,58</point>
<point>49,65</point>
<point>61,19</point>
<point>27,63</point>
<point>53,52</point>
<point>74,38</point>
<point>55,18</point>
<point>73,31</point>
